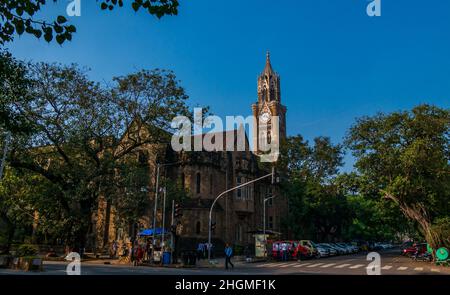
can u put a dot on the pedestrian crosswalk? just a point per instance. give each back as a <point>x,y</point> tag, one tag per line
<point>356,266</point>
<point>342,265</point>
<point>328,265</point>
<point>336,265</point>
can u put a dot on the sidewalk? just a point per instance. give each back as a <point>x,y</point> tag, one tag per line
<point>203,263</point>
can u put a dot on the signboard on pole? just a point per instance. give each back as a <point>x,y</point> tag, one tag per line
<point>260,247</point>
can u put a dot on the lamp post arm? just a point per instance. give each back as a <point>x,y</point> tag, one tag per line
<point>221,195</point>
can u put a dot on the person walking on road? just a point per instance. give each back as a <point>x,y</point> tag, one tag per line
<point>228,255</point>
<point>200,251</point>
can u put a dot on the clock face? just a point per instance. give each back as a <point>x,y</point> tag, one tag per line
<point>265,117</point>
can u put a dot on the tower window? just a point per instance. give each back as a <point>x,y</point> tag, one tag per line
<point>199,180</point>
<point>198,228</point>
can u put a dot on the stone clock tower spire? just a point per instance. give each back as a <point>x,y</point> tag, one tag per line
<point>269,103</point>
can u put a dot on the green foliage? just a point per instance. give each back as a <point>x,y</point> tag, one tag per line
<point>317,209</point>
<point>13,91</point>
<point>83,134</point>
<point>18,17</point>
<point>404,157</point>
<point>26,250</point>
<point>441,227</point>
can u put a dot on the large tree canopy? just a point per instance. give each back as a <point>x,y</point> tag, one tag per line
<point>19,17</point>
<point>14,87</point>
<point>78,141</point>
<point>405,156</point>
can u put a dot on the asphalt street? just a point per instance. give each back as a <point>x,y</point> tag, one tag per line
<point>391,264</point>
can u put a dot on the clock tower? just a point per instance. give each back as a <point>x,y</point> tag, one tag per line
<point>268,106</point>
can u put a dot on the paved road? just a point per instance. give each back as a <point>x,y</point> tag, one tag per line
<point>391,264</point>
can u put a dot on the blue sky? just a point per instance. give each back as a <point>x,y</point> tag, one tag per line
<point>336,63</point>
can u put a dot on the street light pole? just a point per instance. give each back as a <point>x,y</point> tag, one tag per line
<point>264,222</point>
<point>221,195</point>
<point>163,218</point>
<point>156,204</point>
<point>158,166</point>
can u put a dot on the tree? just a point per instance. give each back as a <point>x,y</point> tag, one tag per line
<point>84,132</point>
<point>18,17</point>
<point>13,93</point>
<point>22,194</point>
<point>317,209</point>
<point>372,218</point>
<point>406,156</point>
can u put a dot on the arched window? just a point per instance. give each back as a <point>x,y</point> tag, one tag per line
<point>198,228</point>
<point>142,158</point>
<point>199,180</point>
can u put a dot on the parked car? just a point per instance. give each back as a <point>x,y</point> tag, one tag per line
<point>347,248</point>
<point>353,247</point>
<point>300,251</point>
<point>277,247</point>
<point>311,245</point>
<point>294,249</point>
<point>332,251</point>
<point>339,251</point>
<point>322,251</point>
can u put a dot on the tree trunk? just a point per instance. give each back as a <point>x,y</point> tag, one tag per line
<point>418,213</point>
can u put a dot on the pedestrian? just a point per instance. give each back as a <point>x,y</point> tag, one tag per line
<point>140,254</point>
<point>147,250</point>
<point>200,251</point>
<point>131,252</point>
<point>247,253</point>
<point>228,255</point>
<point>204,250</point>
<point>114,249</point>
<point>283,251</point>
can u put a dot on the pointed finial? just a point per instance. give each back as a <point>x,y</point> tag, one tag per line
<point>268,67</point>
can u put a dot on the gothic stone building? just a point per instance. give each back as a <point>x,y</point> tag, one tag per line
<point>207,174</point>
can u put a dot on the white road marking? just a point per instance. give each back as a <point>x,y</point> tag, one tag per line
<point>328,265</point>
<point>264,265</point>
<point>419,268</point>
<point>387,267</point>
<point>315,265</point>
<point>342,265</point>
<point>435,270</point>
<point>402,268</point>
<point>304,264</point>
<point>278,264</point>
<point>288,265</point>
<point>356,266</point>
